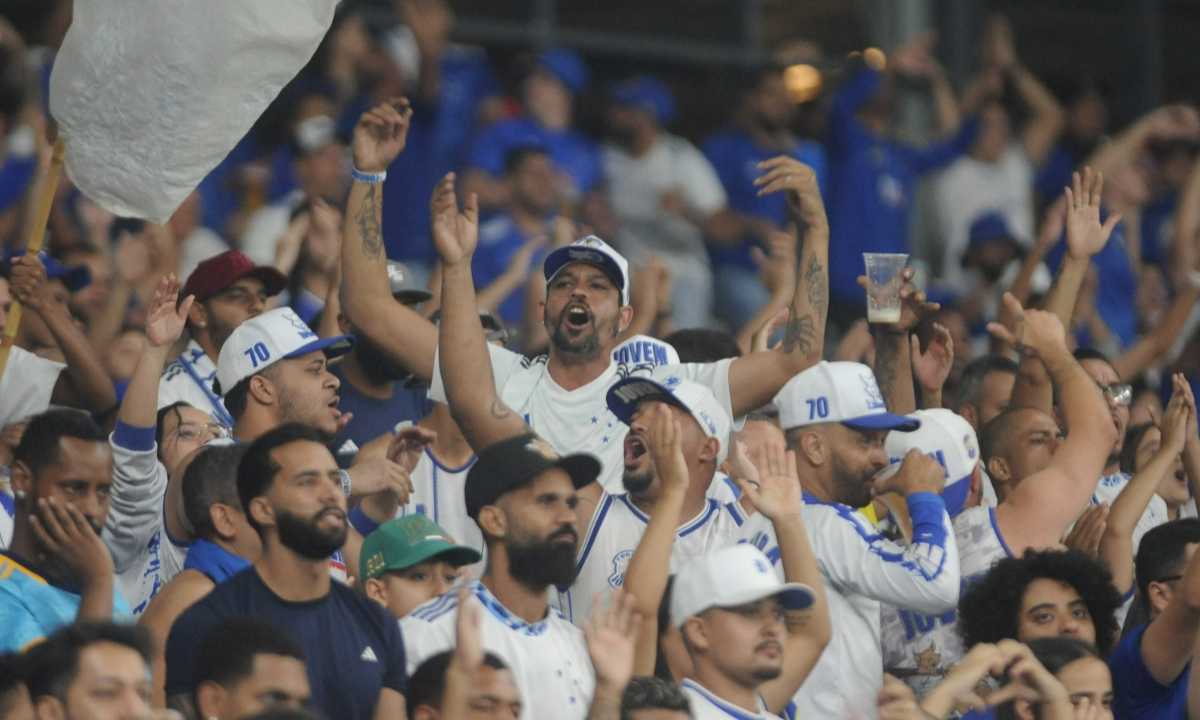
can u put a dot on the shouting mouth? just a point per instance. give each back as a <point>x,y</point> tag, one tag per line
<point>635,449</point>
<point>577,318</point>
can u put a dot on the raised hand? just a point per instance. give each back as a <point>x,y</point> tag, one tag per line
<point>1029,679</point>
<point>455,234</point>
<point>380,135</point>
<point>611,634</point>
<point>1085,235</point>
<point>28,283</point>
<point>913,304</point>
<point>70,542</point>
<point>1089,529</point>
<point>958,690</point>
<point>1175,422</point>
<point>468,648</point>
<point>1184,389</point>
<point>778,494</point>
<point>666,448</point>
<point>738,465</point>
<point>1031,332</point>
<point>164,322</point>
<point>777,266</point>
<point>380,474</point>
<point>409,444</point>
<point>798,182</point>
<point>897,701</point>
<point>933,366</point>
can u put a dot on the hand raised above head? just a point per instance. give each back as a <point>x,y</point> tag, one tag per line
<point>380,135</point>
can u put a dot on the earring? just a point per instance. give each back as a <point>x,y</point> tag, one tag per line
<point>204,324</point>
<point>21,494</point>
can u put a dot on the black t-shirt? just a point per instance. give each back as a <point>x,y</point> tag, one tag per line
<point>353,646</point>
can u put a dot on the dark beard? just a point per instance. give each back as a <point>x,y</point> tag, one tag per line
<point>635,483</point>
<point>305,538</point>
<point>218,332</point>
<point>853,489</point>
<point>587,346</point>
<point>542,563</point>
<point>377,365</point>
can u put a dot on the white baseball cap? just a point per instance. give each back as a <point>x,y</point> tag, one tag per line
<point>265,340</point>
<point>950,440</point>
<point>729,577</point>
<point>593,251</point>
<point>691,397</point>
<point>838,392</point>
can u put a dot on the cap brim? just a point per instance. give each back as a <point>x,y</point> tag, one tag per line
<point>335,346</point>
<point>955,495</point>
<point>624,410</point>
<point>273,281</point>
<point>572,254</point>
<point>75,277</point>
<point>582,467</point>
<point>405,297</point>
<point>884,421</point>
<point>456,555</point>
<point>794,596</point>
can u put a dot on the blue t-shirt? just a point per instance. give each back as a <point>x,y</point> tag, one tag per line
<point>352,646</point>
<point>1157,225</point>
<point>1117,289</point>
<point>32,607</point>
<point>872,183</point>
<point>573,152</point>
<point>735,157</point>
<point>499,239</point>
<point>1136,694</point>
<point>374,417</point>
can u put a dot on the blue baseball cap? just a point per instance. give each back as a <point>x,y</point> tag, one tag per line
<point>593,251</point>
<point>646,92</point>
<point>74,277</point>
<point>567,66</point>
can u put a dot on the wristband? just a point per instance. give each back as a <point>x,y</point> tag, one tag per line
<point>369,178</point>
<point>345,482</point>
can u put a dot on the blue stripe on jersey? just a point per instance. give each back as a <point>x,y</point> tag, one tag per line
<point>436,607</point>
<point>996,529</point>
<point>594,531</point>
<point>873,540</point>
<point>700,522</point>
<point>739,514</point>
<point>729,709</point>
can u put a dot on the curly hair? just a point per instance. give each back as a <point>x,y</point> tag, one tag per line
<point>989,610</point>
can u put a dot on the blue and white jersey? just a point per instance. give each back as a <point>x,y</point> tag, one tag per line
<point>707,706</point>
<point>616,529</point>
<point>1110,486</point>
<point>921,648</point>
<point>861,570</point>
<point>438,495</point>
<point>189,378</point>
<point>549,659</point>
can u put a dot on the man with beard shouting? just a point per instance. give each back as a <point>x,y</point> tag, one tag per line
<point>562,395</point>
<point>291,489</point>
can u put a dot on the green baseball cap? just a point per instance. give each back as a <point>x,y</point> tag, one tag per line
<point>401,543</point>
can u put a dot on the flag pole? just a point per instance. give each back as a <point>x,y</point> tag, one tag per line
<point>34,246</point>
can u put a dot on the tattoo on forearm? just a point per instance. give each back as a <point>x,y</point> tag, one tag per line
<point>369,227</point>
<point>500,411</point>
<point>818,284</point>
<point>799,333</point>
<point>887,360</point>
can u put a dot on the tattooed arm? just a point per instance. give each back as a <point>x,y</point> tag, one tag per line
<point>754,379</point>
<point>466,366</point>
<point>379,138</point>
<point>893,364</point>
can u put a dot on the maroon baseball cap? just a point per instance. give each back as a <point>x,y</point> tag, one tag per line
<point>218,272</point>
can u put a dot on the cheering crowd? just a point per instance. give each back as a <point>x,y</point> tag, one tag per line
<point>426,404</point>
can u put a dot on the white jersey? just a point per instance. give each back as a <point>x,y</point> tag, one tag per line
<point>706,706</point>
<point>616,529</point>
<point>579,420</point>
<point>8,510</point>
<point>549,660</point>
<point>189,378</point>
<point>438,495</point>
<point>921,649</point>
<point>1155,514</point>
<point>862,569</point>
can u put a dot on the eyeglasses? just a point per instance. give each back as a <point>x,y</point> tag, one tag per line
<point>195,430</point>
<point>1121,393</point>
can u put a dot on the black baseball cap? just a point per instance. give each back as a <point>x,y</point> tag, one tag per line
<point>511,464</point>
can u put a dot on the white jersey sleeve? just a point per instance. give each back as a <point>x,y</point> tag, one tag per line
<point>505,365</point>
<point>139,486</point>
<point>26,386</point>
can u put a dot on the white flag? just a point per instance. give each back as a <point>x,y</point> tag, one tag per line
<point>150,95</point>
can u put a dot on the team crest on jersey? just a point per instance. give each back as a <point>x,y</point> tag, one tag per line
<point>874,396</point>
<point>969,443</point>
<point>620,565</point>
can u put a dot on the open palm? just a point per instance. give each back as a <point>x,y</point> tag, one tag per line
<point>1086,235</point>
<point>164,323</point>
<point>455,233</point>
